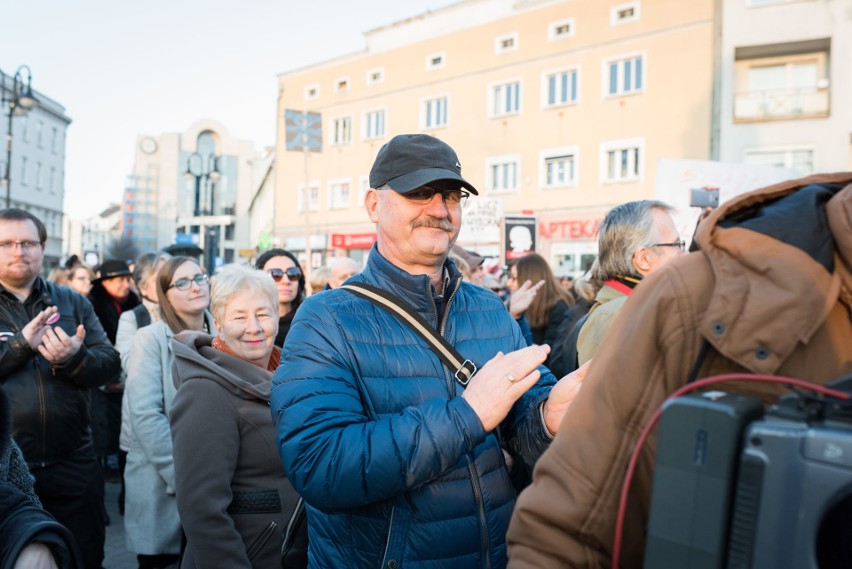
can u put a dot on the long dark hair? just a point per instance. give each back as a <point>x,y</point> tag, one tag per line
<point>534,268</point>
<point>164,279</point>
<point>271,254</point>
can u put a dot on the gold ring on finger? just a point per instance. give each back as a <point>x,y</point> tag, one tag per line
<point>511,378</point>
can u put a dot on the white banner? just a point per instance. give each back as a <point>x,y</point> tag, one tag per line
<point>481,219</point>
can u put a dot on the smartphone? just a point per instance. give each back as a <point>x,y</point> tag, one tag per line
<point>704,198</point>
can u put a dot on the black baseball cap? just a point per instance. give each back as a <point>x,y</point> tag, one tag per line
<point>409,161</point>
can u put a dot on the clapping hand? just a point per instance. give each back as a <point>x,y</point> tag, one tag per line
<point>523,297</point>
<point>57,347</point>
<point>562,396</point>
<point>35,328</point>
<point>503,380</point>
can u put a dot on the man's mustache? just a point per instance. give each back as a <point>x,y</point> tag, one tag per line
<point>435,223</point>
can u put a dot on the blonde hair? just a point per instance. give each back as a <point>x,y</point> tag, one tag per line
<point>231,280</point>
<point>319,278</point>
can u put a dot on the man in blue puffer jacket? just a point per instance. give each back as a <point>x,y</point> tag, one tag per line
<point>398,463</point>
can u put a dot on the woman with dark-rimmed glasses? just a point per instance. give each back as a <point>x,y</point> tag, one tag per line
<point>284,269</point>
<point>151,522</point>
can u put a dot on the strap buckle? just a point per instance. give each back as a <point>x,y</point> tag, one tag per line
<point>465,372</point>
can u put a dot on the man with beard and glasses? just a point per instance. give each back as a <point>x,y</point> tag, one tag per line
<point>399,462</point>
<point>52,350</point>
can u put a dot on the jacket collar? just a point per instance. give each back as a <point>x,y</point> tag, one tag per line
<point>416,290</point>
<point>39,288</point>
<point>761,309</point>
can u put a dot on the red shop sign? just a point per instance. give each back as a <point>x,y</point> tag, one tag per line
<point>352,240</point>
<point>570,229</point>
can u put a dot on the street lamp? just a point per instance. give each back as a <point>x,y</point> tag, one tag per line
<point>20,99</point>
<point>206,168</point>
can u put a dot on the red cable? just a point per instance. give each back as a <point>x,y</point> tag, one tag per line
<point>634,458</point>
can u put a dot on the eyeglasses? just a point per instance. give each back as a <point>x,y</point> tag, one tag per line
<point>293,274</point>
<point>200,279</point>
<point>679,244</point>
<point>424,194</point>
<point>25,246</point>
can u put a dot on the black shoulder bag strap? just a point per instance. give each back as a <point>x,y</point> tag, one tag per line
<point>462,368</point>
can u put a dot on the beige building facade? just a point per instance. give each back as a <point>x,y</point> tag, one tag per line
<point>557,109</point>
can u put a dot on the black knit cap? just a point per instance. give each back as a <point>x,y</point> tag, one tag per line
<point>409,161</point>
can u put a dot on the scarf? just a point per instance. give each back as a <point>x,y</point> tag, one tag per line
<point>624,285</point>
<point>274,358</point>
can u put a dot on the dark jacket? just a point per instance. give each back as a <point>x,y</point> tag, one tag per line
<point>284,323</point>
<point>50,404</point>
<point>394,464</point>
<point>22,519</point>
<point>563,354</point>
<point>108,310</point>
<point>229,482</point>
<point>769,293</point>
<point>23,523</point>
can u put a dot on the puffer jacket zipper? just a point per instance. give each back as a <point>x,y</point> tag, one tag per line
<point>474,475</point>
<point>42,410</point>
<point>387,542</point>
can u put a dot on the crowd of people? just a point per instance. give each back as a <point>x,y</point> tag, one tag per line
<point>389,414</point>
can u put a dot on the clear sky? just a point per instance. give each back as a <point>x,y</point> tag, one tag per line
<point>127,68</point>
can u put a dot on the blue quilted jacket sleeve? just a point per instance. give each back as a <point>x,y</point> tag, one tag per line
<point>336,452</point>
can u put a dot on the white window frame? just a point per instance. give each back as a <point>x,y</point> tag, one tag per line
<point>25,179</point>
<point>334,131</point>
<point>553,27</point>
<point>380,71</point>
<point>53,139</point>
<point>40,133</point>
<point>430,65</point>
<point>425,115</point>
<point>492,99</point>
<point>549,153</point>
<point>365,124</point>
<point>39,179</point>
<point>335,201</point>
<point>620,60</point>
<point>342,84</point>
<point>51,180</point>
<point>499,40</point>
<point>617,145</point>
<point>787,150</point>
<point>312,87</point>
<point>545,86</point>
<point>502,160</point>
<point>300,196</point>
<point>614,20</point>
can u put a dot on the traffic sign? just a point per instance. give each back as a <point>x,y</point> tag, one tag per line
<point>303,131</point>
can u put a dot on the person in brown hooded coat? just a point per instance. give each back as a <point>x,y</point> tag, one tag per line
<point>769,292</point>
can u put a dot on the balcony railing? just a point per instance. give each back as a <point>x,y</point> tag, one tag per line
<point>806,102</point>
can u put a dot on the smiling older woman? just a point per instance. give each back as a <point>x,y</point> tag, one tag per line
<point>233,497</point>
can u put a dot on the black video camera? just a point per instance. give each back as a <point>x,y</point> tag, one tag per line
<point>737,488</point>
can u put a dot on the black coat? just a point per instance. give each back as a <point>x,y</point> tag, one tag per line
<point>22,520</point>
<point>50,404</point>
<point>106,309</point>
